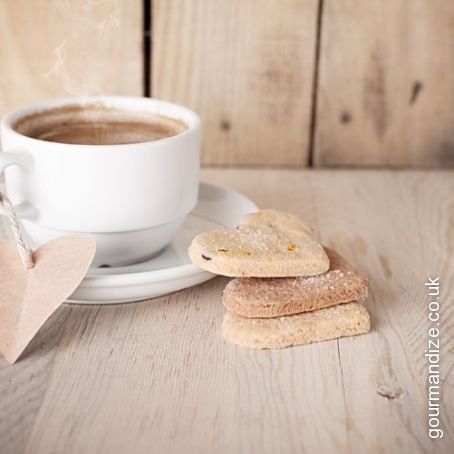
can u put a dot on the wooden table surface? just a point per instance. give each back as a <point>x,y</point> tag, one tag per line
<point>157,377</point>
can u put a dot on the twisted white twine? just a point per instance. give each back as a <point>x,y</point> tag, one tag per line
<point>26,254</point>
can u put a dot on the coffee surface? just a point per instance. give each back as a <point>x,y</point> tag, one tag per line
<point>98,125</point>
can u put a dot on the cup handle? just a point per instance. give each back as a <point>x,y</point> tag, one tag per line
<point>13,158</point>
<point>16,158</point>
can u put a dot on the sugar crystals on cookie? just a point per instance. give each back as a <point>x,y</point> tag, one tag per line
<point>269,243</point>
<point>288,289</point>
<point>274,297</point>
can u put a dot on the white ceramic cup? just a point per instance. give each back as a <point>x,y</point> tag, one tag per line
<point>132,197</point>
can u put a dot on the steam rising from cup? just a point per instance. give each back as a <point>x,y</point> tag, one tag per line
<point>91,18</point>
<point>88,12</point>
<point>71,85</point>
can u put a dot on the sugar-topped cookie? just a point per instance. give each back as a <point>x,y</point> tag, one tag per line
<point>330,323</point>
<point>274,297</point>
<point>269,243</point>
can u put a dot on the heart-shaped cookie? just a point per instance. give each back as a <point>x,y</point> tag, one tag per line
<point>269,243</point>
<point>28,297</point>
<point>276,297</point>
<point>333,322</point>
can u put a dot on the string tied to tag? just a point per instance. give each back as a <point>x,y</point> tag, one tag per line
<point>25,252</point>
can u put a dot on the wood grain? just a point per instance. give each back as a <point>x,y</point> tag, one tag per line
<point>385,95</point>
<point>156,376</point>
<point>69,47</point>
<point>23,385</point>
<point>246,67</point>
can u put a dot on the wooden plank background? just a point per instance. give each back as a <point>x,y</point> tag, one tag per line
<point>246,67</point>
<point>286,83</point>
<point>386,84</point>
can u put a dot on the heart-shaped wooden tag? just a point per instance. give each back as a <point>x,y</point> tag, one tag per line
<point>269,243</point>
<point>28,297</point>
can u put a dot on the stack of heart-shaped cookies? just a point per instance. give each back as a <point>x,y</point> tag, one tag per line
<point>288,289</point>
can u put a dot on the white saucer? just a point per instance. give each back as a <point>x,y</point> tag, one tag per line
<point>171,270</point>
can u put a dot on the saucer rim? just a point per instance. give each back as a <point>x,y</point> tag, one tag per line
<point>159,275</point>
<point>164,274</point>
